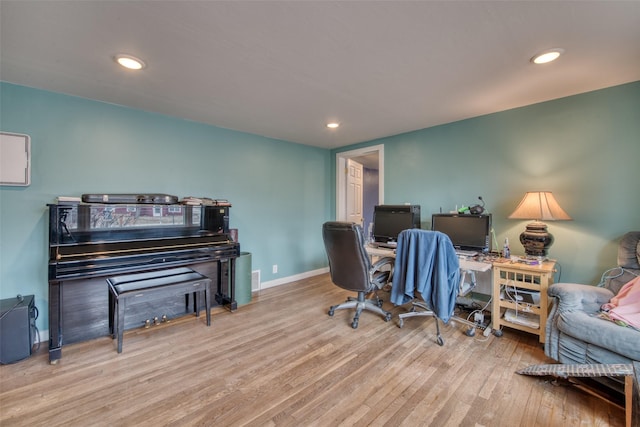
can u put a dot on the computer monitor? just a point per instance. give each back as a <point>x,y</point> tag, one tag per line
<point>466,231</point>
<point>390,220</point>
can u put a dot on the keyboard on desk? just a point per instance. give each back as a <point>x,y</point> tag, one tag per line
<point>461,252</point>
<point>388,245</point>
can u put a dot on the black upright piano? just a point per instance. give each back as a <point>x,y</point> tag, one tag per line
<point>90,242</point>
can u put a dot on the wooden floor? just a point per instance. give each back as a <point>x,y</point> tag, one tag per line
<point>282,361</point>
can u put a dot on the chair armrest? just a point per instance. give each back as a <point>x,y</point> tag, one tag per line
<point>382,262</point>
<point>380,277</point>
<point>574,296</point>
<point>566,297</point>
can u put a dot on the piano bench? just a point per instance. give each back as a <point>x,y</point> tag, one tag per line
<point>153,285</point>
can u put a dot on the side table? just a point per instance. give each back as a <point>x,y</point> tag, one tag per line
<point>511,282</point>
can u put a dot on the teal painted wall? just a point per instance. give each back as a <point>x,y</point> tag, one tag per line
<point>279,190</point>
<point>584,148</point>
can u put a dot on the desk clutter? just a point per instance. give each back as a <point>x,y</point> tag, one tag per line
<point>515,298</point>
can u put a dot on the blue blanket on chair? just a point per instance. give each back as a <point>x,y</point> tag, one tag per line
<point>426,262</point>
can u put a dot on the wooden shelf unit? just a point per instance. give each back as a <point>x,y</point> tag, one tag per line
<point>527,277</point>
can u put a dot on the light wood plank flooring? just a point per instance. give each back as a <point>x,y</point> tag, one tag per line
<point>282,361</point>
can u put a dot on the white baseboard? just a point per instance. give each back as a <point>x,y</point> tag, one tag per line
<point>289,279</point>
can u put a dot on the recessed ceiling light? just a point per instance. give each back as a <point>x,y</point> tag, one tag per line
<point>130,62</point>
<point>333,125</point>
<point>547,56</point>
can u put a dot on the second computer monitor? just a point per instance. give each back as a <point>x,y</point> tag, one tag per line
<point>466,231</point>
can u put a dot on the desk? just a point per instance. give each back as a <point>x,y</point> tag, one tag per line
<point>468,268</point>
<point>465,265</point>
<point>505,273</point>
<point>380,252</point>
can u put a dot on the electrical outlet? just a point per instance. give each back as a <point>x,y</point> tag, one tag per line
<point>478,318</point>
<point>275,268</point>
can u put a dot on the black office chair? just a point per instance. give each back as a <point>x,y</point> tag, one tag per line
<point>351,268</point>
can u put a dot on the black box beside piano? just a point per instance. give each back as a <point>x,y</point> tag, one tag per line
<point>17,328</point>
<point>90,242</point>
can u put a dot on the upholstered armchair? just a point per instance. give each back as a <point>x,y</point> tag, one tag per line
<point>575,333</point>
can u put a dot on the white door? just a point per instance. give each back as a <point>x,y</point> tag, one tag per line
<point>354,192</point>
<point>341,178</point>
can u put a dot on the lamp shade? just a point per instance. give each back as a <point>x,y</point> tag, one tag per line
<point>541,206</point>
<point>538,205</point>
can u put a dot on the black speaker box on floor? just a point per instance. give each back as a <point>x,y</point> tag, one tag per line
<point>17,328</point>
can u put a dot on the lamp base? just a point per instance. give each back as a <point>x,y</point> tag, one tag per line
<point>536,240</point>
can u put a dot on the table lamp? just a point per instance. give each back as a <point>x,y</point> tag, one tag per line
<point>538,205</point>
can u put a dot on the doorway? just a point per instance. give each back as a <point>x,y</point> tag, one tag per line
<point>372,161</point>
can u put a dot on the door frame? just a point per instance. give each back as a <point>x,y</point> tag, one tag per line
<point>341,182</point>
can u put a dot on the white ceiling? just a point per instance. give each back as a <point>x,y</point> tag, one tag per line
<point>281,69</point>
